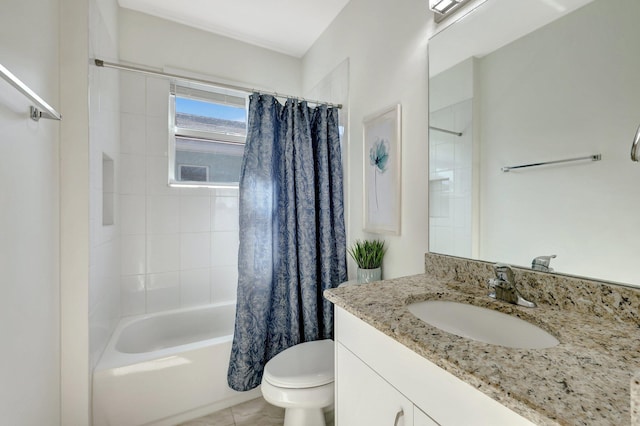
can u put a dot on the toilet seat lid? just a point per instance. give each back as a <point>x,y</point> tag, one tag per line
<point>304,365</point>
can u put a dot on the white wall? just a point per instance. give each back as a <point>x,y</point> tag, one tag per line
<point>74,211</point>
<point>386,44</point>
<point>155,42</point>
<point>29,219</point>
<point>178,245</point>
<point>581,212</point>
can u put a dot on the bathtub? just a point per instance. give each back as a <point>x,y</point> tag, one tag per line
<point>162,369</point>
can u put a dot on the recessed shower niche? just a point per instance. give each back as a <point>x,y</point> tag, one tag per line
<point>108,190</point>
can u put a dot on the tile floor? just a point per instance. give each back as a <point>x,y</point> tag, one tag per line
<point>256,412</point>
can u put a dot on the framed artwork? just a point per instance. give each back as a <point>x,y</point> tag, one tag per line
<point>382,174</point>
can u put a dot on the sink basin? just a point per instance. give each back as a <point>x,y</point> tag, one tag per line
<point>481,324</point>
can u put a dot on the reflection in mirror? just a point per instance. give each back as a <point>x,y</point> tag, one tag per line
<point>534,82</point>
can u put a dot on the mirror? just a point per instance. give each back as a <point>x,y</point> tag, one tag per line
<point>533,81</point>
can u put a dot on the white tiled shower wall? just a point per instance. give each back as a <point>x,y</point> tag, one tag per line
<point>104,294</point>
<point>450,180</point>
<point>453,161</point>
<point>178,245</point>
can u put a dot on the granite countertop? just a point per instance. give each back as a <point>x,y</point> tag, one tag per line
<point>635,400</point>
<point>586,379</point>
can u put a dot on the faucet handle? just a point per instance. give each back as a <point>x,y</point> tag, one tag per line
<point>541,263</point>
<point>501,267</point>
<point>504,272</point>
<point>503,286</point>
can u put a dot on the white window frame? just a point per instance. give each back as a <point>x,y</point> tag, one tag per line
<point>219,137</point>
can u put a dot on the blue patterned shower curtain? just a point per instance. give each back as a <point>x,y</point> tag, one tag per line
<point>292,233</point>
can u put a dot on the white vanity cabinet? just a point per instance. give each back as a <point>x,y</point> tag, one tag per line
<point>421,419</point>
<point>365,397</point>
<point>381,382</point>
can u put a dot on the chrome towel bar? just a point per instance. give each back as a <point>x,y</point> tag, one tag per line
<point>451,132</point>
<point>595,157</point>
<point>41,108</point>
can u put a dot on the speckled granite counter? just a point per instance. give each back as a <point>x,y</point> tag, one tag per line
<point>586,379</point>
<point>635,400</point>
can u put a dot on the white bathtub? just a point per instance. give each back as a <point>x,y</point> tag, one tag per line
<point>165,368</point>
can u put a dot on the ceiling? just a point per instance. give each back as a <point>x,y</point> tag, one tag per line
<point>286,26</point>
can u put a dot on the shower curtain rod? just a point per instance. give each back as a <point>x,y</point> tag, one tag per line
<point>143,70</point>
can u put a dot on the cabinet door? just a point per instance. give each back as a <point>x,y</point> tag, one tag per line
<point>365,398</point>
<point>421,419</point>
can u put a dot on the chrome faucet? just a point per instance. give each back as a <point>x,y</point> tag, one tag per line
<point>541,263</point>
<point>503,287</point>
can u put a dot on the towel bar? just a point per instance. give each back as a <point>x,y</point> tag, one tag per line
<point>451,132</point>
<point>41,109</point>
<point>595,157</point>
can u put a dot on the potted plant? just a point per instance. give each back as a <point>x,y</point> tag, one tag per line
<point>368,255</point>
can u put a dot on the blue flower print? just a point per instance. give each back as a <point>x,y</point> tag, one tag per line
<point>379,154</point>
<point>379,158</point>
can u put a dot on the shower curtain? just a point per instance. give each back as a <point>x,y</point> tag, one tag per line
<point>292,233</point>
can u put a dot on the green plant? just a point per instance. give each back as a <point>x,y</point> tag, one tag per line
<point>368,254</point>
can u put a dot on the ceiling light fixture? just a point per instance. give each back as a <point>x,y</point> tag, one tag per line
<point>445,8</point>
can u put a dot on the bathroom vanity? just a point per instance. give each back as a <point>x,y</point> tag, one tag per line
<point>518,87</point>
<point>393,368</point>
<point>380,381</point>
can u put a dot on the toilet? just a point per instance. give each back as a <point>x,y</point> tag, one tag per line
<point>300,379</point>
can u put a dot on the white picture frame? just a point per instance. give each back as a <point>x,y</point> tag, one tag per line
<point>382,155</point>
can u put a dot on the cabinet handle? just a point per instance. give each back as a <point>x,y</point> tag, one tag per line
<point>398,415</point>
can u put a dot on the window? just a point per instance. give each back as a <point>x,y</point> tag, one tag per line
<point>193,173</point>
<point>208,132</point>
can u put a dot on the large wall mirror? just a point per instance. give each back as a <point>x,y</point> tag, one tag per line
<point>531,81</point>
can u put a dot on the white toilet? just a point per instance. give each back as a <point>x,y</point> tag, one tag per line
<point>300,379</point>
